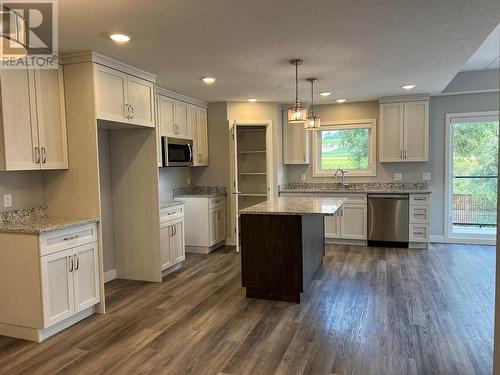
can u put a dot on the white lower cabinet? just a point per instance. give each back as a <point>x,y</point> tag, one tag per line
<point>57,276</point>
<point>419,218</point>
<point>70,282</point>
<point>353,223</point>
<point>172,237</point>
<point>206,222</point>
<point>332,226</point>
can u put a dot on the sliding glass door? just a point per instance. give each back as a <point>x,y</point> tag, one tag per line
<point>472,177</point>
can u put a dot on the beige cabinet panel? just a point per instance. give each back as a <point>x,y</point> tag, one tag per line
<point>165,252</point>
<point>86,276</point>
<point>19,123</point>
<point>332,226</point>
<point>416,131</point>
<point>200,137</point>
<point>165,115</point>
<point>111,94</point>
<point>353,223</point>
<point>181,120</point>
<point>51,116</point>
<point>295,144</point>
<point>177,242</point>
<point>140,101</point>
<point>391,132</point>
<point>57,287</point>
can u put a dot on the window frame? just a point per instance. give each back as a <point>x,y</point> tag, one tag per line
<point>346,125</point>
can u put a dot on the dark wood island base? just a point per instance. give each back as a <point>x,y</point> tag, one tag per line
<point>280,254</point>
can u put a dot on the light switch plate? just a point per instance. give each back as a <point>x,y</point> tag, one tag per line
<point>7,200</point>
<point>426,176</point>
<point>398,176</point>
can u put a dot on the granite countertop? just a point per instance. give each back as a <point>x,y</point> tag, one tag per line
<point>168,204</point>
<point>200,191</point>
<point>36,220</point>
<point>297,206</point>
<point>366,188</point>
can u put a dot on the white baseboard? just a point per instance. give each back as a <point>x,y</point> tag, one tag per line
<point>437,239</point>
<point>109,275</point>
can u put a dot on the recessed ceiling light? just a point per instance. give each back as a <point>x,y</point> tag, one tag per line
<point>120,38</point>
<point>208,80</point>
<point>252,100</point>
<point>326,93</point>
<point>342,100</point>
<point>408,87</point>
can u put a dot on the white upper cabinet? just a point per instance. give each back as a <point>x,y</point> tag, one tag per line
<point>140,101</point>
<point>33,124</point>
<point>404,131</point>
<point>182,128</point>
<point>198,119</point>
<point>121,97</point>
<point>295,143</point>
<point>51,116</point>
<point>173,118</point>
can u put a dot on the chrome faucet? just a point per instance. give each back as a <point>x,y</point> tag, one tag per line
<point>344,183</point>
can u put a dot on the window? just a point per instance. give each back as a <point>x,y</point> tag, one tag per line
<point>346,145</point>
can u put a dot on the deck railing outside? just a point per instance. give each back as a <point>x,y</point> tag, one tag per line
<point>475,209</point>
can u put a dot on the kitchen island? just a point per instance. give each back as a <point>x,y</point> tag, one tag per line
<point>283,245</point>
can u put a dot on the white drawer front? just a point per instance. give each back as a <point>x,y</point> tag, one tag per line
<point>419,214</point>
<point>52,242</point>
<point>216,202</point>
<point>420,199</point>
<point>351,198</point>
<point>419,233</point>
<point>171,213</point>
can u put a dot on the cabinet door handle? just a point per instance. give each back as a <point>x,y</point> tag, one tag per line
<point>37,155</point>
<point>71,237</point>
<point>405,153</point>
<point>44,155</point>
<point>304,156</point>
<point>401,154</point>
<point>77,263</point>
<point>174,228</point>
<point>131,111</point>
<point>127,111</point>
<point>70,259</point>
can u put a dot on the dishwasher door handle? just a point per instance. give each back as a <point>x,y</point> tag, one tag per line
<point>389,196</point>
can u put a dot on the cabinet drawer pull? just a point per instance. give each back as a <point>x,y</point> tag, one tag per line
<point>419,215</point>
<point>71,237</point>
<point>422,233</point>
<point>170,213</point>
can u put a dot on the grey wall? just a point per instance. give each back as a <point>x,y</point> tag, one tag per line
<point>108,245</point>
<point>412,172</point>
<point>468,82</point>
<point>26,188</point>
<point>172,178</point>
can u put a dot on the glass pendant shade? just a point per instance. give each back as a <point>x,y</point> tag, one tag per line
<point>13,37</point>
<point>297,114</point>
<point>312,121</point>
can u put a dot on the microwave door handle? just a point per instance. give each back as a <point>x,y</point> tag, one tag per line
<point>190,153</point>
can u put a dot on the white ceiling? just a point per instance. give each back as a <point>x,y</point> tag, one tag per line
<point>358,49</point>
<point>487,55</point>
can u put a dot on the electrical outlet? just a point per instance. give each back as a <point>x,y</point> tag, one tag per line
<point>426,176</point>
<point>398,176</point>
<point>7,200</point>
<point>302,177</point>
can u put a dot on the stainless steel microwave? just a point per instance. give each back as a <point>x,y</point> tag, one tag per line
<point>176,152</point>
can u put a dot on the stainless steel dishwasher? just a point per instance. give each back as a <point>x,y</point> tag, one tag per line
<point>388,220</point>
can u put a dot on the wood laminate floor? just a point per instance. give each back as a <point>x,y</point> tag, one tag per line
<point>371,311</point>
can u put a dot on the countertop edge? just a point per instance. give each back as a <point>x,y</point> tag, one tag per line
<point>48,229</point>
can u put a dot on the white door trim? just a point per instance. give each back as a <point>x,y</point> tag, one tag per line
<point>448,235</point>
<point>233,231</point>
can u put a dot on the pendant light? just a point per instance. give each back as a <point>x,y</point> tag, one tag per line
<point>312,121</point>
<point>296,114</point>
<point>13,37</point>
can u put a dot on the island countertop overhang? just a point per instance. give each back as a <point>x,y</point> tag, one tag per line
<point>297,206</point>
